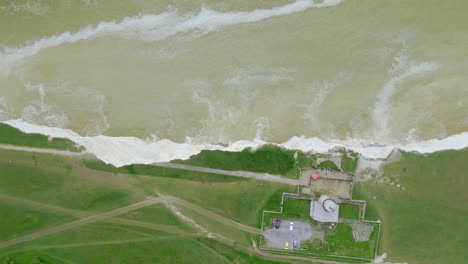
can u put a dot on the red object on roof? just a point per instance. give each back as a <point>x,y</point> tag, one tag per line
<point>314,176</point>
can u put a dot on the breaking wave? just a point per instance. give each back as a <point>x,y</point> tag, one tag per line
<point>382,105</point>
<point>157,27</point>
<point>121,151</point>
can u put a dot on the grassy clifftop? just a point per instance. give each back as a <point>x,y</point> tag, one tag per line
<point>268,159</point>
<point>12,136</point>
<point>424,211</point>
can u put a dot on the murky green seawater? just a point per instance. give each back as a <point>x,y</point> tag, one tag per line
<point>219,71</point>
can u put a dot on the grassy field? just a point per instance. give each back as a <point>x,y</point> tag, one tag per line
<point>297,209</point>
<point>218,227</point>
<point>349,211</point>
<point>12,136</point>
<point>328,164</point>
<point>349,161</point>
<point>292,209</point>
<point>55,180</point>
<point>340,242</point>
<point>242,201</point>
<point>16,220</point>
<point>267,159</point>
<point>157,214</point>
<point>110,243</point>
<point>161,172</point>
<point>427,222</point>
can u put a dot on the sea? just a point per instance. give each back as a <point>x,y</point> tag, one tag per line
<point>144,81</point>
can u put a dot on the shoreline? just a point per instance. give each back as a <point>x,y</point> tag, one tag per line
<point>121,151</point>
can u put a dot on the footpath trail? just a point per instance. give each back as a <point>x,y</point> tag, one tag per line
<point>44,150</point>
<point>17,201</point>
<point>80,222</point>
<point>213,215</point>
<point>242,174</point>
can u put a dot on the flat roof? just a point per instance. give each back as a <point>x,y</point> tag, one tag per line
<point>319,214</point>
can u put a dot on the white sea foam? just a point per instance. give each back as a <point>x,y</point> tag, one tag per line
<point>31,7</point>
<point>3,108</point>
<point>321,91</point>
<point>382,104</point>
<point>157,27</point>
<point>48,114</point>
<point>120,151</point>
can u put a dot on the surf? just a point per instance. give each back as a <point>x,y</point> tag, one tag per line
<point>156,27</point>
<point>121,151</point>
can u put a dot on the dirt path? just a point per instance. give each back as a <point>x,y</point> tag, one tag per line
<point>79,214</point>
<point>232,242</point>
<point>44,150</point>
<point>243,174</point>
<point>80,222</point>
<point>41,206</point>
<point>212,215</point>
<point>159,227</point>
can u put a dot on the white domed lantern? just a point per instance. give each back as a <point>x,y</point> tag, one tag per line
<point>327,203</point>
<point>324,210</point>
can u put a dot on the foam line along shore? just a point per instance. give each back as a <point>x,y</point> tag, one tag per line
<point>121,151</point>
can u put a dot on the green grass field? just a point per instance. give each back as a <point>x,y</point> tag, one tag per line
<point>218,227</point>
<point>54,180</point>
<point>161,172</point>
<point>109,243</point>
<point>157,214</point>
<point>349,211</point>
<point>349,161</point>
<point>297,209</point>
<point>328,164</point>
<point>340,242</point>
<point>242,201</point>
<point>292,209</point>
<point>427,222</point>
<point>16,221</point>
<point>12,136</point>
<point>267,159</point>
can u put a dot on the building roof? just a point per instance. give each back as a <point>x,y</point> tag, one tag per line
<point>319,214</point>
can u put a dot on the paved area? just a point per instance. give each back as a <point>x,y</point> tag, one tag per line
<point>336,188</point>
<point>276,238</point>
<point>328,174</point>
